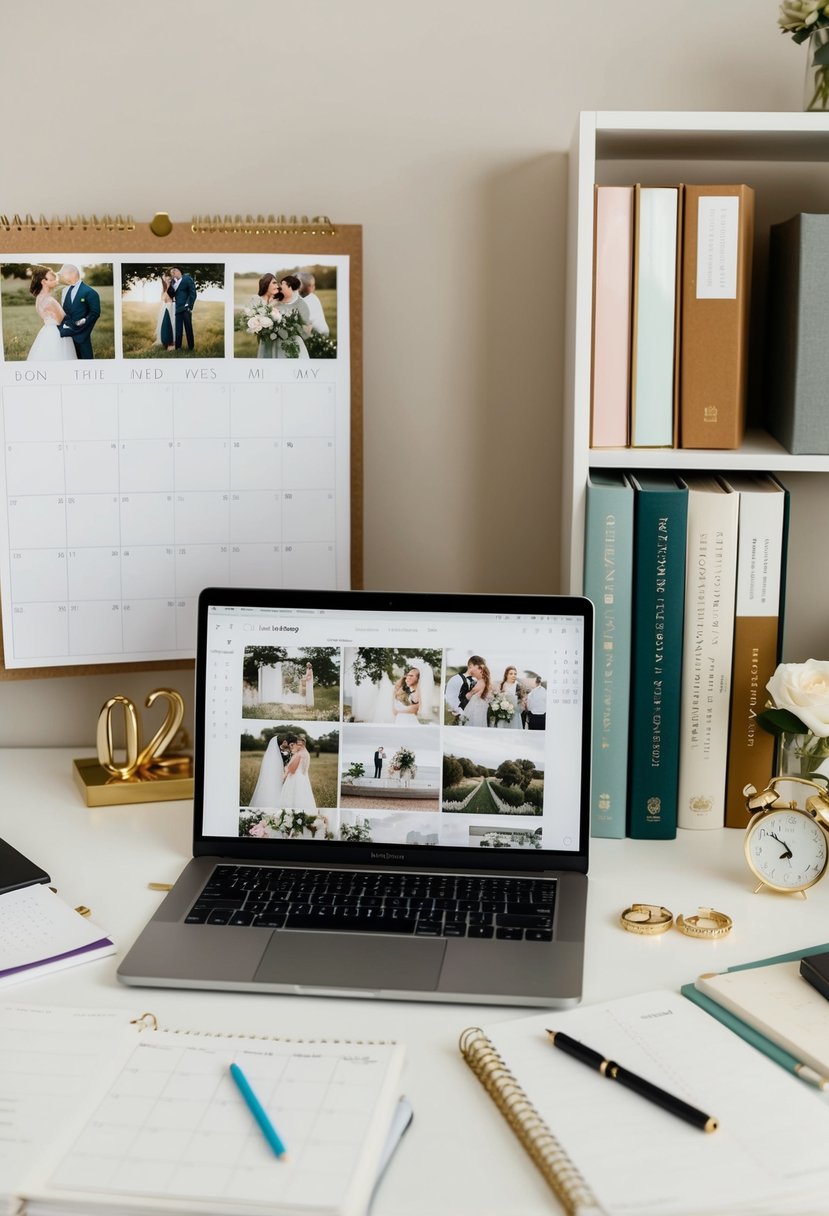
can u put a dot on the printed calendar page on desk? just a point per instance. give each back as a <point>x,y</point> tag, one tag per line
<point>166,425</point>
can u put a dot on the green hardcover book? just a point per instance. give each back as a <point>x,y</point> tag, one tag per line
<point>660,526</point>
<point>608,562</point>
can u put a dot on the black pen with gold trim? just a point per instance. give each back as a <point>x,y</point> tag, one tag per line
<point>645,1089</point>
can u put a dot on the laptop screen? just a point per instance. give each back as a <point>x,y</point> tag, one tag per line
<point>394,725</point>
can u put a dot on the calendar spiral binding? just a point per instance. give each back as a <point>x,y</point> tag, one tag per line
<point>545,1150</point>
<point>230,225</point>
<point>148,1021</point>
<point>260,225</point>
<point>70,223</point>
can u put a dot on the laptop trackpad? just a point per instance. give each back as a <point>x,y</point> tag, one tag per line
<point>340,960</point>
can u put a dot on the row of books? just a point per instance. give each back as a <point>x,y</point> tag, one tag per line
<point>671,297</point>
<point>687,573</point>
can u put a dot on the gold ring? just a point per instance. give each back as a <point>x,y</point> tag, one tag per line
<point>719,924</point>
<point>646,918</point>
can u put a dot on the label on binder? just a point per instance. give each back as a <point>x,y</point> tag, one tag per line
<point>717,230</point>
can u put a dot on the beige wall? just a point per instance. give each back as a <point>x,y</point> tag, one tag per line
<point>443,129</point>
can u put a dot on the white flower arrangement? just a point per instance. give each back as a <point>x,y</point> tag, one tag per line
<point>403,761</point>
<point>800,695</point>
<point>800,17</point>
<point>800,708</point>
<point>268,323</point>
<point>262,320</point>
<point>501,708</point>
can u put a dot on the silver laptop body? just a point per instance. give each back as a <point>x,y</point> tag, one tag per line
<point>424,760</point>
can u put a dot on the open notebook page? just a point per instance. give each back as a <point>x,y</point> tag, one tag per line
<point>40,933</point>
<point>640,1160</point>
<point>168,1130</point>
<point>47,1056</point>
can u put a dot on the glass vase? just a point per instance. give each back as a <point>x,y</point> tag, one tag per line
<point>802,755</point>
<point>816,84</point>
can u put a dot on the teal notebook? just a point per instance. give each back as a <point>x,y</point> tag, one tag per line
<point>769,1048</point>
<point>608,562</point>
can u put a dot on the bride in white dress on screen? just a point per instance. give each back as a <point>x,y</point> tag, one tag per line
<point>308,685</point>
<point>478,697</point>
<point>297,794</point>
<point>271,687</point>
<point>268,789</point>
<point>406,703</point>
<point>49,344</point>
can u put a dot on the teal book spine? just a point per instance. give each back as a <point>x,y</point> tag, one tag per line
<point>660,528</point>
<point>608,582</point>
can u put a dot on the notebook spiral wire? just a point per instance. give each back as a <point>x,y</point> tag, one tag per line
<point>555,1165</point>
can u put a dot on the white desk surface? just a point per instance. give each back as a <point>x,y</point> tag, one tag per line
<point>459,1158</point>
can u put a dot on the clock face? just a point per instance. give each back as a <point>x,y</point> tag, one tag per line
<point>786,849</point>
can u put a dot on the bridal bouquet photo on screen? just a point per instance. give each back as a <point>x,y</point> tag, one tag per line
<point>494,690</point>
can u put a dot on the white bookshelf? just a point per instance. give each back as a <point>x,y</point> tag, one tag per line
<point>785,157</point>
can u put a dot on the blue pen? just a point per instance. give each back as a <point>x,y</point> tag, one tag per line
<point>258,1111</point>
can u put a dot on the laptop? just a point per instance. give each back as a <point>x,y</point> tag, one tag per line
<point>391,800</point>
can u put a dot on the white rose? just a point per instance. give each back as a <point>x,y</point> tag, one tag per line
<point>254,325</point>
<point>266,323</point>
<point>803,689</point>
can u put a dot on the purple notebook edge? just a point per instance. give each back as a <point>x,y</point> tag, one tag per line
<point>56,958</point>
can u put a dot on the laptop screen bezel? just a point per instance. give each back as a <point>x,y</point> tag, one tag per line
<point>405,856</point>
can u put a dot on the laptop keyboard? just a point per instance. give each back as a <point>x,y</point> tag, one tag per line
<point>423,905</point>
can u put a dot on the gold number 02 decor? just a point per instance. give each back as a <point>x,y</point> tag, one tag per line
<point>146,774</point>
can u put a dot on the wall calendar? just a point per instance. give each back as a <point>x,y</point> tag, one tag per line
<point>180,407</point>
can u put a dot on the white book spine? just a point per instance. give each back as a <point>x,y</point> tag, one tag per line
<point>707,650</point>
<point>654,337</point>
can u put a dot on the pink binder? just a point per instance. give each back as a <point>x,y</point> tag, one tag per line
<point>612,290</point>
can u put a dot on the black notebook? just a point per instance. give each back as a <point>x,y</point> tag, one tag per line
<point>17,871</point>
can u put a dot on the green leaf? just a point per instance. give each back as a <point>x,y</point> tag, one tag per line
<point>820,59</point>
<point>781,721</point>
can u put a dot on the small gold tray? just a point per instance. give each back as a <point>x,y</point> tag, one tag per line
<point>162,784</point>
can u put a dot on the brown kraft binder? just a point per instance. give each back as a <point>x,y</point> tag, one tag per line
<point>718,236</point>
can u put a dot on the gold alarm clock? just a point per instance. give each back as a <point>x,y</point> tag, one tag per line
<point>787,839</point>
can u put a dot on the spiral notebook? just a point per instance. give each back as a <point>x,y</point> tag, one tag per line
<point>164,1129</point>
<point>603,1149</point>
<point>180,407</point>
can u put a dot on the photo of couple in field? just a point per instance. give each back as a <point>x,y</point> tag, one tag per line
<point>57,311</point>
<point>285,312</point>
<point>171,311</point>
<point>286,766</point>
